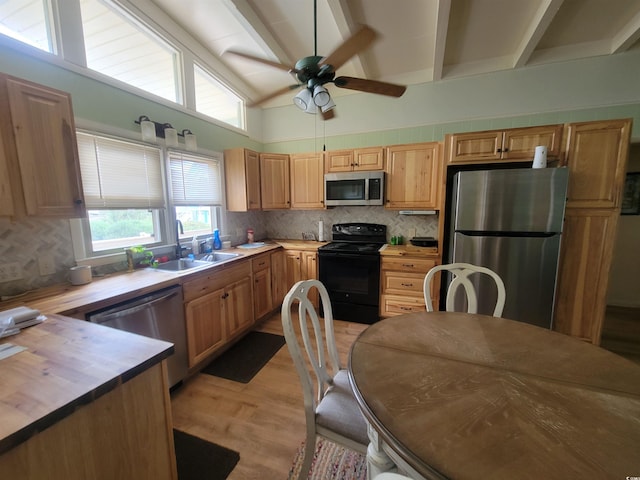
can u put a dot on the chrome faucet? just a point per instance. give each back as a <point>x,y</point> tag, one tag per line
<point>179,230</point>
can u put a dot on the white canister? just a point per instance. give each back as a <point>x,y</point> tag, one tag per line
<point>80,275</point>
<point>540,157</point>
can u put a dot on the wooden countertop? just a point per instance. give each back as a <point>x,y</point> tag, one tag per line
<point>405,250</point>
<point>73,300</point>
<point>67,363</point>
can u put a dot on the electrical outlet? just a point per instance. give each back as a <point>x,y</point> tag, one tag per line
<point>10,271</point>
<point>46,265</point>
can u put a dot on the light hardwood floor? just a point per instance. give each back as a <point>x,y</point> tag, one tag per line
<point>262,420</point>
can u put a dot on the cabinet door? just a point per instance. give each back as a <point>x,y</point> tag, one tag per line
<point>47,150</point>
<point>339,161</point>
<point>475,147</point>
<point>278,277</point>
<point>597,159</point>
<point>274,181</point>
<point>205,327</point>
<point>583,274</point>
<point>293,267</point>
<point>521,143</point>
<point>238,311</point>
<point>307,181</point>
<point>413,174</point>
<point>242,179</point>
<point>262,293</point>
<point>368,158</point>
<point>309,261</point>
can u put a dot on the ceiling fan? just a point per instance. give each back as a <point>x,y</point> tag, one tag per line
<point>314,72</point>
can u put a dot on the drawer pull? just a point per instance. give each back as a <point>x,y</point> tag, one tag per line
<point>410,265</point>
<point>407,284</point>
<point>409,309</point>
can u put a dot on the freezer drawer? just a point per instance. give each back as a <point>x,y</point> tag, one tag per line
<point>527,266</point>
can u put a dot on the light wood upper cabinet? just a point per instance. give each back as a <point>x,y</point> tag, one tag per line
<point>242,179</point>
<point>413,176</point>
<point>361,159</point>
<point>274,181</point>
<point>307,181</point>
<point>501,145</point>
<point>597,157</point>
<point>39,160</point>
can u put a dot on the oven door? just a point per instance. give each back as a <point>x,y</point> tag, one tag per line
<point>353,284</point>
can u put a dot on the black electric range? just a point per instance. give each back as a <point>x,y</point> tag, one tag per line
<point>349,268</point>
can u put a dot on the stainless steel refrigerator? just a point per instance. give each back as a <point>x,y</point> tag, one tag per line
<point>511,222</point>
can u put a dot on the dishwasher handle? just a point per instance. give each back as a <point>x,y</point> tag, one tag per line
<point>110,315</point>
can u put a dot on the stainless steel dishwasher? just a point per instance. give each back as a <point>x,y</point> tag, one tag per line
<point>157,315</point>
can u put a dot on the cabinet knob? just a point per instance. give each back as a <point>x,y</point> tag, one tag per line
<point>78,201</point>
<point>499,150</point>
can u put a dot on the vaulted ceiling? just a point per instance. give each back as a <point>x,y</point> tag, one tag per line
<point>418,41</point>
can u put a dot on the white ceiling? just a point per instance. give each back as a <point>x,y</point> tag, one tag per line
<point>419,40</point>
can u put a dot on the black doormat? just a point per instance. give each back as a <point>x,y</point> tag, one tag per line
<point>242,361</point>
<point>198,459</point>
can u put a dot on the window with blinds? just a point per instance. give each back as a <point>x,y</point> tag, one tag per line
<point>196,192</point>
<point>124,193</point>
<point>120,174</point>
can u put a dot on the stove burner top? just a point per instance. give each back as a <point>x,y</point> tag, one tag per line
<point>371,248</point>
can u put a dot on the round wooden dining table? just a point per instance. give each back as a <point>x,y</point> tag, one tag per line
<point>466,396</point>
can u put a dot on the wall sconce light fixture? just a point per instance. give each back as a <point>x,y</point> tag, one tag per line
<point>151,130</point>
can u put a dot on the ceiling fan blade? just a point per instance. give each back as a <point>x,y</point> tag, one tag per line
<point>329,114</point>
<point>354,44</point>
<point>275,94</point>
<point>370,86</point>
<point>262,60</point>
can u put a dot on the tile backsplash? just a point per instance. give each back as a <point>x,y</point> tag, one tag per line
<point>26,241</point>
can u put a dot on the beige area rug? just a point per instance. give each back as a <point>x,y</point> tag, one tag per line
<point>331,462</point>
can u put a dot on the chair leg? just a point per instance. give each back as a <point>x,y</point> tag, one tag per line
<point>309,450</point>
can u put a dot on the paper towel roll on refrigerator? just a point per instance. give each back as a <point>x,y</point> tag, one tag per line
<point>540,157</point>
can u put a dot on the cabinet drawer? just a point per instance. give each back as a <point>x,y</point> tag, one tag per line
<point>408,264</point>
<point>398,305</point>
<point>261,262</point>
<point>214,279</point>
<point>400,283</point>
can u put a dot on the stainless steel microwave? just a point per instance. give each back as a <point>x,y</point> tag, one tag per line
<point>353,188</point>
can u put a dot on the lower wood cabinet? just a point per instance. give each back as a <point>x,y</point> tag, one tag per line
<point>301,265</point>
<point>278,278</point>
<point>262,297</point>
<point>216,309</point>
<point>401,283</point>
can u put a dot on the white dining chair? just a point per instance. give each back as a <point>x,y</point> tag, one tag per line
<point>461,273</point>
<point>330,408</point>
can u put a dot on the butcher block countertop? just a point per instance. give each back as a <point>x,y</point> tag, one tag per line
<point>405,250</point>
<point>75,301</point>
<point>67,363</point>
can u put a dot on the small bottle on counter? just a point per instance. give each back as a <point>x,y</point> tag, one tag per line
<point>250,235</point>
<point>217,243</point>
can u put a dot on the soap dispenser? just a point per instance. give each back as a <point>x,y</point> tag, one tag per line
<point>217,243</point>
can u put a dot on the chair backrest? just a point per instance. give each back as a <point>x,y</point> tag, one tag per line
<point>461,273</point>
<point>320,346</point>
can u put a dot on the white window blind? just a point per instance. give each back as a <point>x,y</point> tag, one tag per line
<point>119,174</point>
<point>195,180</point>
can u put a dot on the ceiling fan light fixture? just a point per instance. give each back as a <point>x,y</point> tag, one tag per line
<point>303,99</point>
<point>329,106</point>
<point>312,108</point>
<point>321,96</point>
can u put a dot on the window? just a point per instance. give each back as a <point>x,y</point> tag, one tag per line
<point>28,22</point>
<point>123,191</point>
<point>118,46</point>
<point>196,192</point>
<point>217,101</point>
